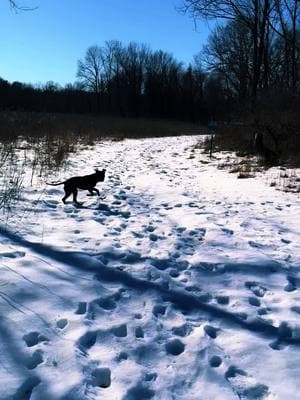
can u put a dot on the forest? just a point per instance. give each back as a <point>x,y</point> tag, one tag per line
<point>251,62</point>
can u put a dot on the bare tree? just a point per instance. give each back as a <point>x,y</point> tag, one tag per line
<point>253,14</point>
<point>133,60</point>
<point>227,54</point>
<point>89,72</point>
<point>288,13</point>
<point>162,82</point>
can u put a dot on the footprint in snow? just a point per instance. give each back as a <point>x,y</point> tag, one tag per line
<point>150,377</point>
<point>120,331</point>
<point>263,310</point>
<point>174,273</point>
<point>254,301</point>
<point>139,392</point>
<point>258,245</point>
<point>33,338</point>
<point>107,303</point>
<point>12,254</point>
<point>291,286</point>
<point>62,323</point>
<point>101,377</point>
<point>215,361</point>
<point>277,345</point>
<point>139,333</point>
<point>227,232</point>
<point>223,300</point>
<point>211,331</point>
<point>256,288</point>
<point>35,359</point>
<point>182,330</point>
<point>285,241</point>
<point>87,340</point>
<point>123,356</point>
<point>244,385</point>
<point>285,333</point>
<point>159,310</point>
<point>51,203</point>
<point>175,347</point>
<point>81,308</point>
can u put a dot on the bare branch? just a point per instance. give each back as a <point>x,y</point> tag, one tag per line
<point>17,7</point>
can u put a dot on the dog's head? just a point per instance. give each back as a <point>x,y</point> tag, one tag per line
<point>100,175</point>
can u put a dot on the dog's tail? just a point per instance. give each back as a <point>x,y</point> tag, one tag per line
<point>54,184</point>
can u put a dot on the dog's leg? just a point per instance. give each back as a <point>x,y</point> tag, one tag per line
<point>67,194</point>
<point>97,191</point>
<point>75,192</point>
<point>91,192</point>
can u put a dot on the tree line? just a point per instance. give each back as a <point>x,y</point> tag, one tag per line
<point>127,80</point>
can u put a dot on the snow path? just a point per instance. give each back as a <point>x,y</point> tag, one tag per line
<point>182,283</point>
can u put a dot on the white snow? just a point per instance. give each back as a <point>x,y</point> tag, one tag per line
<point>180,282</point>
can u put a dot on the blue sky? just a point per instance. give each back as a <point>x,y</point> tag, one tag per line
<point>46,43</point>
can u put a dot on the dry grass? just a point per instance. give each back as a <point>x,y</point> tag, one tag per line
<point>277,118</point>
<point>89,127</point>
<point>286,179</point>
<point>245,167</point>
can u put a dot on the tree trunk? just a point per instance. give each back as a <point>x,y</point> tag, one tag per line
<point>255,53</point>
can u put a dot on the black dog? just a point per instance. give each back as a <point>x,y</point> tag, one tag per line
<point>87,182</point>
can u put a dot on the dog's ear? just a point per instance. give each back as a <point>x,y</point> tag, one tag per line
<point>104,170</point>
<point>96,169</point>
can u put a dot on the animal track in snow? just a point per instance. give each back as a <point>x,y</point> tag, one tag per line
<point>107,303</point>
<point>139,392</point>
<point>211,331</point>
<point>33,338</point>
<point>150,376</point>
<point>159,309</point>
<point>227,232</point>
<point>277,345</point>
<point>88,340</point>
<point>62,323</point>
<point>12,254</point>
<point>215,361</point>
<point>120,331</point>
<point>175,347</point>
<point>35,359</point>
<point>291,286</point>
<point>254,301</point>
<point>182,330</point>
<point>139,333</point>
<point>101,377</point>
<point>256,288</point>
<point>224,300</point>
<point>245,386</point>
<point>81,309</point>
<point>122,356</point>
<point>233,371</point>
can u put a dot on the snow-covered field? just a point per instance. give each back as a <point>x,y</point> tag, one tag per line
<point>180,282</point>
